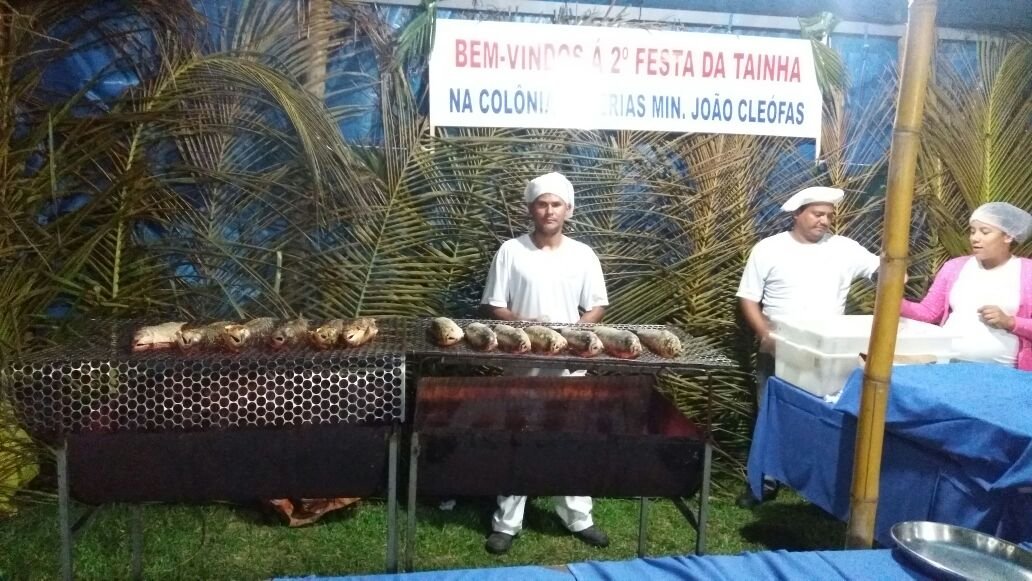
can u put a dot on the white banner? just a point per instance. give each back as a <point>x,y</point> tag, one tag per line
<point>512,74</point>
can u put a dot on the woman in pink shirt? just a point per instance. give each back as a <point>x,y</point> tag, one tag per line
<point>986,298</point>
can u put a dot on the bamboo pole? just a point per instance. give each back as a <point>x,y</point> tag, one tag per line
<point>317,30</point>
<point>906,134</point>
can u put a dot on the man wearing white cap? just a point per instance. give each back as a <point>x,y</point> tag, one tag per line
<point>545,276</point>
<point>805,271</point>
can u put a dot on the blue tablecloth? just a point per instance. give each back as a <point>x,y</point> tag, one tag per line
<point>979,414</point>
<point>883,565</point>
<point>808,444</point>
<point>524,573</point>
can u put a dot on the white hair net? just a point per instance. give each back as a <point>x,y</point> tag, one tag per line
<point>1014,221</point>
<point>813,195</point>
<point>550,183</point>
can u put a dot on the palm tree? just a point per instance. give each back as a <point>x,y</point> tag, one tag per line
<point>218,183</point>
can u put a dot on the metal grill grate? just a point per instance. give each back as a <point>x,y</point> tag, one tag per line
<point>696,353</point>
<point>100,385</point>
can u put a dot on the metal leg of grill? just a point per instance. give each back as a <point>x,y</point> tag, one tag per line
<point>707,461</point>
<point>136,541</point>
<point>63,508</point>
<point>704,492</point>
<point>410,531</point>
<point>643,524</point>
<point>392,501</point>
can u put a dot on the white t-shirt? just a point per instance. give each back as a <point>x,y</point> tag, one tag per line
<point>545,284</point>
<point>795,278</point>
<point>975,288</point>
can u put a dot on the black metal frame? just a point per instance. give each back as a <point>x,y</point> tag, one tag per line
<point>101,356</point>
<point>68,531</point>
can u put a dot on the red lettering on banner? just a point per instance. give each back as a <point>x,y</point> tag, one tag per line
<point>542,57</point>
<point>767,67</point>
<point>476,54</point>
<point>663,62</point>
<point>712,65</point>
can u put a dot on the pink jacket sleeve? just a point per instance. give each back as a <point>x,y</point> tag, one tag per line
<point>1022,327</point>
<point>934,307</point>
<point>1023,318</point>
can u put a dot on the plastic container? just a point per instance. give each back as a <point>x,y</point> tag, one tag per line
<point>818,373</point>
<point>818,355</point>
<point>850,334</point>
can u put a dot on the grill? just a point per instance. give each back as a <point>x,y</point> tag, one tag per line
<point>696,354</point>
<point>210,424</point>
<point>612,435</point>
<point>101,386</point>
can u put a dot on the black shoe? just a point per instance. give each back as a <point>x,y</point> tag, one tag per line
<point>770,492</point>
<point>593,536</point>
<point>747,501</point>
<point>498,543</point>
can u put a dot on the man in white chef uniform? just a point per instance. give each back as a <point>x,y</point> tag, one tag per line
<point>545,276</point>
<point>806,271</point>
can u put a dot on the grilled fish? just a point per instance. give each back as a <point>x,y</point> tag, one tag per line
<point>544,340</point>
<point>326,335</point>
<point>661,342</point>
<point>618,343</point>
<point>160,336</point>
<point>200,335</point>
<point>581,343</point>
<point>511,339</point>
<point>359,331</point>
<point>445,332</point>
<point>481,337</point>
<point>235,337</point>
<point>289,333</point>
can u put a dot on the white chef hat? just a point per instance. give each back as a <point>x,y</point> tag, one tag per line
<point>1014,221</point>
<point>550,183</point>
<point>813,195</point>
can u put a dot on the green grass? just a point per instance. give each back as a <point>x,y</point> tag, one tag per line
<point>221,541</point>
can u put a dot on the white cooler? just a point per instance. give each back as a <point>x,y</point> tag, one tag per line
<point>818,355</point>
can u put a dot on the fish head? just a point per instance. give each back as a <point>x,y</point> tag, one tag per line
<point>371,329</point>
<point>279,339</point>
<point>595,345</point>
<point>672,345</point>
<point>447,331</point>
<point>557,344</point>
<point>325,336</point>
<point>355,332</point>
<point>235,336</point>
<point>187,338</point>
<point>631,344</point>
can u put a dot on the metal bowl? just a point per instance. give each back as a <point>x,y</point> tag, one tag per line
<point>953,552</point>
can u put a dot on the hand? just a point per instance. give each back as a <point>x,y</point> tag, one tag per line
<point>767,344</point>
<point>992,316</point>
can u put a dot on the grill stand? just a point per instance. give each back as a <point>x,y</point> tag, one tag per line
<point>67,531</point>
<point>396,344</point>
<point>697,520</point>
<point>392,501</point>
<point>63,508</point>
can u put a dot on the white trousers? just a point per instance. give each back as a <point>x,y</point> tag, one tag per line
<point>575,512</point>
